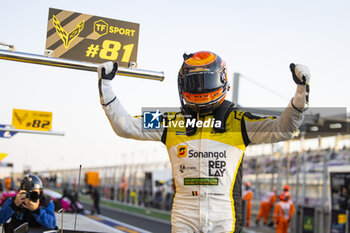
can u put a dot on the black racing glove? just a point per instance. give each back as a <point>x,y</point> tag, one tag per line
<point>106,72</point>
<point>110,75</point>
<point>301,74</point>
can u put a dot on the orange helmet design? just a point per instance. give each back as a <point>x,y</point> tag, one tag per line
<point>202,82</point>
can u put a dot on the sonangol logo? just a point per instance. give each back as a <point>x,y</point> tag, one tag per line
<point>182,151</point>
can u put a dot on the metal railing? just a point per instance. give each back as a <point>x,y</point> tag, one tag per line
<point>70,64</point>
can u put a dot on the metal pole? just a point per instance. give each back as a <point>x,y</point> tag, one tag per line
<point>263,180</point>
<point>61,211</point>
<point>273,167</point>
<point>298,219</point>
<point>235,88</point>
<point>304,179</point>
<point>316,220</point>
<point>299,160</point>
<point>257,184</point>
<point>336,144</point>
<point>79,65</point>
<point>287,168</point>
<point>78,189</point>
<point>279,174</point>
<point>297,181</point>
<point>32,131</point>
<point>286,149</point>
<point>114,183</point>
<point>324,188</point>
<point>347,222</point>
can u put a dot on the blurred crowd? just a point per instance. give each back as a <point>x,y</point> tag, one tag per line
<point>313,162</point>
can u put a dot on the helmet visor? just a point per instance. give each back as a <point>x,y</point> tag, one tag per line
<point>202,82</point>
<point>203,98</point>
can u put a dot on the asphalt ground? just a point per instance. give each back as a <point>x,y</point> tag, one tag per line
<point>138,220</point>
<point>159,225</point>
<point>154,220</point>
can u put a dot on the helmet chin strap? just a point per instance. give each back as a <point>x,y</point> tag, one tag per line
<point>186,110</point>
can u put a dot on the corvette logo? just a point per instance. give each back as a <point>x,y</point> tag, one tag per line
<point>67,38</point>
<point>20,119</point>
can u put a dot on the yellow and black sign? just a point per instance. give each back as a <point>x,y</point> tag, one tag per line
<point>341,218</point>
<point>91,38</point>
<point>3,155</point>
<point>31,120</point>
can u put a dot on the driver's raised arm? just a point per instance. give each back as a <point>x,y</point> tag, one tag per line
<point>272,129</point>
<point>122,123</point>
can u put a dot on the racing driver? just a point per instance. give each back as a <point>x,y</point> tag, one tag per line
<point>206,163</point>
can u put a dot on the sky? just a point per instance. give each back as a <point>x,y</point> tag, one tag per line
<point>258,39</point>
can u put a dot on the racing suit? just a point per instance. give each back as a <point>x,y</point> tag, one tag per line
<point>207,166</point>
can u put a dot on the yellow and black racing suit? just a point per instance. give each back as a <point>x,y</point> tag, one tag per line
<point>207,166</point>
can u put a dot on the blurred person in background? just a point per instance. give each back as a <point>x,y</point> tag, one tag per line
<point>9,190</point>
<point>72,196</point>
<point>95,196</point>
<point>158,202</point>
<point>112,192</point>
<point>247,197</point>
<point>29,205</point>
<point>133,197</point>
<point>287,194</point>
<point>286,190</point>
<point>283,213</point>
<point>123,190</point>
<point>265,206</point>
<point>208,197</point>
<point>344,199</point>
<point>8,183</point>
